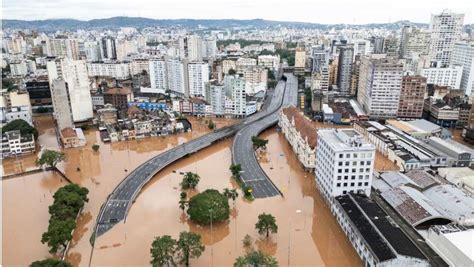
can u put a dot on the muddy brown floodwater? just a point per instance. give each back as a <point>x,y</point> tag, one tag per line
<point>26,198</point>
<point>307,235</point>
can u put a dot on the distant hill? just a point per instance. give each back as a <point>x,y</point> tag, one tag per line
<point>138,22</point>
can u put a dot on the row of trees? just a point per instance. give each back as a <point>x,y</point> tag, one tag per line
<point>166,251</point>
<point>68,200</point>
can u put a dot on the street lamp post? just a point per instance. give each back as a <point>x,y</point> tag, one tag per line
<point>212,241</point>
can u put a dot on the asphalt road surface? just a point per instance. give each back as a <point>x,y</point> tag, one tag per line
<point>252,175</point>
<point>118,203</point>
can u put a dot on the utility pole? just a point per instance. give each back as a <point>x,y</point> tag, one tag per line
<point>289,242</point>
<point>212,241</point>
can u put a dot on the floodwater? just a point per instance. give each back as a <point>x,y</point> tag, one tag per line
<point>25,216</point>
<point>26,198</point>
<point>307,235</point>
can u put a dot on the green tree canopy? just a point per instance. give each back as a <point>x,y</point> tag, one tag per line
<point>50,158</point>
<point>163,250</point>
<point>255,259</point>
<point>232,72</point>
<point>266,223</point>
<point>190,181</point>
<point>68,200</point>
<point>202,205</point>
<point>189,246</point>
<point>95,147</point>
<point>50,263</point>
<point>58,234</point>
<point>22,126</point>
<point>235,169</point>
<point>259,142</point>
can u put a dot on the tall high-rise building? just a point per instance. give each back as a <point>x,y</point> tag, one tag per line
<point>376,45</point>
<point>190,47</point>
<point>391,46</point>
<point>217,99</point>
<point>319,58</point>
<point>414,42</point>
<point>463,55</point>
<point>379,86</point>
<point>74,73</point>
<point>109,50</point>
<point>209,48</point>
<point>344,69</point>
<point>198,77</point>
<point>344,163</point>
<point>92,51</point>
<point>445,30</point>
<point>448,76</point>
<point>177,74</point>
<point>412,96</point>
<point>300,58</point>
<point>61,104</point>
<point>158,74</point>
<point>236,103</point>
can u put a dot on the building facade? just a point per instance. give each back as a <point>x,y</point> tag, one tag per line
<point>344,163</point>
<point>379,87</point>
<point>412,95</point>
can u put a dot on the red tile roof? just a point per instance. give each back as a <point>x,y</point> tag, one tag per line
<point>302,125</point>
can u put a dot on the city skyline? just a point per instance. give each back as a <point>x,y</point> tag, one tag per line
<point>362,12</point>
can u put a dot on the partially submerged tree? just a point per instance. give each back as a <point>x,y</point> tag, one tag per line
<point>95,147</point>
<point>255,259</point>
<point>208,205</point>
<point>266,223</point>
<point>50,263</point>
<point>68,201</point>
<point>163,250</point>
<point>190,181</point>
<point>189,246</point>
<point>259,142</point>
<point>50,158</point>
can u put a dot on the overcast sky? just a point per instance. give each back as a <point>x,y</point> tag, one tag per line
<point>319,11</point>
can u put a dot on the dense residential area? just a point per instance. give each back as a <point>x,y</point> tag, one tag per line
<point>141,142</point>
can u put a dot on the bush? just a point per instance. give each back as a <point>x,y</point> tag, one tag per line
<point>50,263</point>
<point>95,147</point>
<point>200,207</point>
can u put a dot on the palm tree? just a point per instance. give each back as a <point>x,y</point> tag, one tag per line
<point>266,223</point>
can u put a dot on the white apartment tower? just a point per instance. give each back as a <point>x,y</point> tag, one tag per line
<point>158,74</point>
<point>344,163</point>
<point>74,73</point>
<point>217,99</point>
<point>190,47</point>
<point>177,77</point>
<point>448,76</point>
<point>463,55</point>
<point>445,30</point>
<point>61,104</point>
<point>198,75</point>
<point>379,86</point>
<point>236,103</point>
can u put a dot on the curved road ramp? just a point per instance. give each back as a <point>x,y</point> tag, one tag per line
<point>242,149</point>
<point>118,203</point>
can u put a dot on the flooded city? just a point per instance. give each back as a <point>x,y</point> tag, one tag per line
<point>307,235</point>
